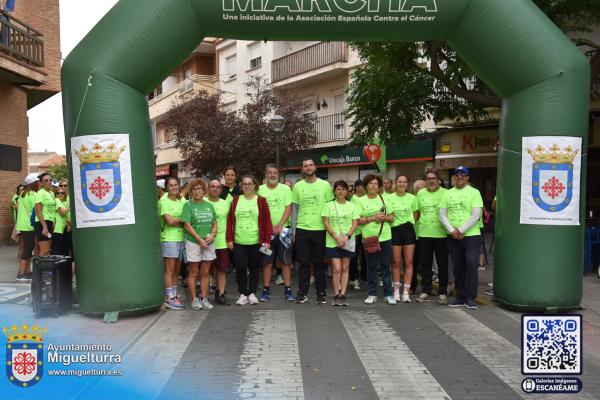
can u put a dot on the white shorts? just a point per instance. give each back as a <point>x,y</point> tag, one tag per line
<point>195,253</point>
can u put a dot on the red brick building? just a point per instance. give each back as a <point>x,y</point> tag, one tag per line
<point>29,74</point>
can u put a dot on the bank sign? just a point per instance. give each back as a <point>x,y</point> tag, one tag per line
<point>329,10</point>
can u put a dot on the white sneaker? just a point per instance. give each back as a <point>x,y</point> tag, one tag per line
<point>206,304</point>
<point>355,284</point>
<point>390,300</point>
<point>252,299</point>
<point>242,300</point>
<point>443,299</point>
<point>423,297</point>
<point>397,295</point>
<point>405,298</point>
<point>371,299</point>
<point>196,304</point>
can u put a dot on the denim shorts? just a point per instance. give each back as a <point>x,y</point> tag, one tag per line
<point>336,252</point>
<point>172,249</point>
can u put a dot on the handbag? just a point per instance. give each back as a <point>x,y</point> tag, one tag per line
<point>371,243</point>
<point>351,242</point>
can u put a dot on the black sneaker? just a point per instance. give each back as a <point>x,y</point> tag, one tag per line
<point>335,301</point>
<point>29,276</point>
<point>301,299</point>
<point>458,302</point>
<point>24,277</point>
<point>321,298</point>
<point>470,304</point>
<point>221,300</point>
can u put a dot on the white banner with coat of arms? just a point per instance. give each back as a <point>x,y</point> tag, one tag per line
<point>102,180</point>
<point>550,181</point>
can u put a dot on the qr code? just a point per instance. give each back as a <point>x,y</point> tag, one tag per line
<point>551,344</point>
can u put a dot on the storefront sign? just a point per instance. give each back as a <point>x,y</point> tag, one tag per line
<point>468,141</point>
<point>102,180</point>
<point>550,180</point>
<point>162,170</point>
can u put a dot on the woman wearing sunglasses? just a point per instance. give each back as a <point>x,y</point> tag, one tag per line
<point>59,245</point>
<point>45,210</point>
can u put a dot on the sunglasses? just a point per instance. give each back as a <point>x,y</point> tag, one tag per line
<point>61,193</point>
<point>63,185</point>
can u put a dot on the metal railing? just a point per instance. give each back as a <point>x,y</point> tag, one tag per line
<point>185,86</point>
<point>331,128</point>
<point>20,40</point>
<point>313,57</point>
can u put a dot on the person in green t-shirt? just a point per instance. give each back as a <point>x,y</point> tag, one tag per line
<point>460,210</point>
<point>279,198</point>
<point>311,194</point>
<point>249,231</point>
<point>340,218</point>
<point>375,219</point>
<point>404,207</point>
<point>170,209</point>
<point>355,275</point>
<point>221,263</point>
<point>26,205</point>
<point>60,225</point>
<point>45,209</point>
<point>200,223</point>
<point>432,238</point>
<point>14,200</point>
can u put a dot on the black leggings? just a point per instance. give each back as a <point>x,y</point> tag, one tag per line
<point>246,258</point>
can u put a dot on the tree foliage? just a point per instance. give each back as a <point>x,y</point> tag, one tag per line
<point>59,171</point>
<point>401,85</point>
<point>212,137</point>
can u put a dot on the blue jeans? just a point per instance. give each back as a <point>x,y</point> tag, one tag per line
<point>464,254</point>
<point>384,259</point>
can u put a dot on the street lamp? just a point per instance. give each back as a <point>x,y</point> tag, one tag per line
<point>277,124</point>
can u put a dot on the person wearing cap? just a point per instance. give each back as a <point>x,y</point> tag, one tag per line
<point>45,210</point>
<point>25,207</point>
<point>459,212</point>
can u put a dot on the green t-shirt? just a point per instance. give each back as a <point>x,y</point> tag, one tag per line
<point>48,204</point>
<point>60,220</point>
<point>340,218</point>
<point>277,199</point>
<point>222,209</point>
<point>26,205</point>
<point>174,208</point>
<point>428,204</point>
<point>246,221</point>
<point>370,207</point>
<point>14,201</point>
<point>459,203</point>
<point>311,197</point>
<point>200,216</point>
<point>355,201</point>
<point>403,208</point>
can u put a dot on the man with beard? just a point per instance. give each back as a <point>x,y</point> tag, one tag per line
<point>311,194</point>
<point>279,199</point>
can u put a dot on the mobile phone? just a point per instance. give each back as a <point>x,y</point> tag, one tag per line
<point>263,249</point>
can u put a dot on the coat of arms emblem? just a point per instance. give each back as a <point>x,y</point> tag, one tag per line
<point>552,177</point>
<point>100,173</point>
<point>24,354</point>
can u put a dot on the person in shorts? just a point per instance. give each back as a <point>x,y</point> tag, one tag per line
<point>200,224</point>
<point>221,263</point>
<point>170,208</point>
<point>279,198</point>
<point>404,207</point>
<point>45,214</point>
<point>340,218</point>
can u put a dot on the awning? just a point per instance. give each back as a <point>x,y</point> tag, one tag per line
<point>474,160</point>
<point>162,170</point>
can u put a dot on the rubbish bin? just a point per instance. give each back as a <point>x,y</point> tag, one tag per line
<point>52,287</point>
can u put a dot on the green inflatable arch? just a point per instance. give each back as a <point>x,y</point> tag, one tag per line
<point>515,49</point>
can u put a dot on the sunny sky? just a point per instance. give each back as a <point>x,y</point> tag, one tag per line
<point>77,17</point>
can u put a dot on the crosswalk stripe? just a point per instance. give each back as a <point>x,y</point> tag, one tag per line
<point>492,350</point>
<point>270,360</point>
<point>394,371</point>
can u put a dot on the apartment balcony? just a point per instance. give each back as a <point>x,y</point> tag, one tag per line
<point>180,93</point>
<point>331,128</point>
<point>21,52</point>
<point>319,60</point>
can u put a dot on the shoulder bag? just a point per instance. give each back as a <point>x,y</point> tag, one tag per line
<point>371,244</point>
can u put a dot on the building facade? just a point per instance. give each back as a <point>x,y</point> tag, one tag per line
<point>318,73</point>
<point>195,74</point>
<point>29,74</point>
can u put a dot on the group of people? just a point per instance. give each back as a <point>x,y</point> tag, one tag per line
<point>257,227</point>
<point>42,220</point>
